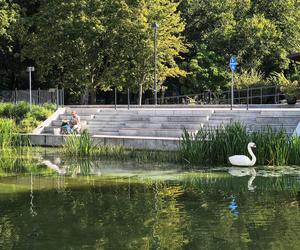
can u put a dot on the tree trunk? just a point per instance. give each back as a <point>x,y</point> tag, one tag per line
<point>163,91</point>
<point>92,91</point>
<point>85,96</point>
<point>140,94</point>
<point>93,96</point>
<point>141,90</point>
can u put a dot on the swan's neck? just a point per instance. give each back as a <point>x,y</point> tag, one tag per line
<point>252,155</point>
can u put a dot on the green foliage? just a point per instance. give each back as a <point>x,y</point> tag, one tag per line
<point>82,146</point>
<point>249,78</point>
<point>78,145</point>
<point>260,33</point>
<point>206,71</point>
<point>25,120</point>
<point>8,16</point>
<point>97,44</point>
<point>7,132</point>
<point>9,137</point>
<point>287,86</point>
<point>213,147</point>
<point>85,46</point>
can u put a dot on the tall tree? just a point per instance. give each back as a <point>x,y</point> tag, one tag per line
<point>97,44</point>
<point>9,16</point>
<point>135,62</point>
<point>259,32</point>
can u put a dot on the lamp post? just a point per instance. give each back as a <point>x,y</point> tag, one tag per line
<point>155,26</point>
<point>29,70</point>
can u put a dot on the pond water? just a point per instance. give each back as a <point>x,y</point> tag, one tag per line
<point>47,202</point>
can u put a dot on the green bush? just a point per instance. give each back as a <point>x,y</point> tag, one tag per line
<point>25,119</point>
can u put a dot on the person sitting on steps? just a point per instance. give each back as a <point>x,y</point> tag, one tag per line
<point>74,123</point>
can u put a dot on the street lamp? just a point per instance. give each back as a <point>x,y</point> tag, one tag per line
<point>29,70</point>
<point>155,26</point>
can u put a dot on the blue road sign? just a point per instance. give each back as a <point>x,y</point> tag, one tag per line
<point>233,63</point>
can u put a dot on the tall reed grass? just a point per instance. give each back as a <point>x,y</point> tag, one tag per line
<point>82,146</point>
<point>7,132</point>
<point>9,136</point>
<point>214,146</point>
<point>79,145</point>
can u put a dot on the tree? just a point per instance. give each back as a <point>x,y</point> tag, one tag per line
<point>9,16</point>
<point>207,71</point>
<point>98,44</point>
<point>260,33</point>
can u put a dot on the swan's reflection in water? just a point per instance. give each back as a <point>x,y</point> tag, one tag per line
<point>242,171</point>
<point>71,167</point>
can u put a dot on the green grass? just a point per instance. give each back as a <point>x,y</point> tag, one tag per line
<point>25,119</point>
<point>82,146</point>
<point>213,147</point>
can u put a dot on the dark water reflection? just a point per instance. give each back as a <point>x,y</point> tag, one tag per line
<point>126,207</point>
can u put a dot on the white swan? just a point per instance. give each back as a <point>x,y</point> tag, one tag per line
<point>243,160</point>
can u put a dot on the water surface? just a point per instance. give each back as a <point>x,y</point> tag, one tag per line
<point>54,203</point>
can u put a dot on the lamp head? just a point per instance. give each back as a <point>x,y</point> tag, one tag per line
<point>30,69</point>
<point>155,25</point>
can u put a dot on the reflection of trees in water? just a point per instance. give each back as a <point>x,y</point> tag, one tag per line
<point>125,215</point>
<point>171,222</point>
<point>263,215</point>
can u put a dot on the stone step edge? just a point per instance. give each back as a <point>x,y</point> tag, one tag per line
<point>113,136</point>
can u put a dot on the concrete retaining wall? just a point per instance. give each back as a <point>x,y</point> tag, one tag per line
<point>49,140</point>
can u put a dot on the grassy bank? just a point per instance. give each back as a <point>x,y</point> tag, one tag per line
<point>205,148</point>
<point>82,146</point>
<point>24,119</point>
<point>213,147</point>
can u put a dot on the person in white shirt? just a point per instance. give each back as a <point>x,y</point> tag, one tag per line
<point>75,122</point>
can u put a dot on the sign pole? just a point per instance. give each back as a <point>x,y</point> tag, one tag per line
<point>30,96</point>
<point>232,83</point>
<point>29,70</point>
<point>232,64</point>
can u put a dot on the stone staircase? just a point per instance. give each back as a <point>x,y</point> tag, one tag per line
<point>169,123</point>
<point>257,119</point>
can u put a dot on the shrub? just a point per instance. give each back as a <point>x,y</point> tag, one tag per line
<point>25,119</point>
<point>28,123</point>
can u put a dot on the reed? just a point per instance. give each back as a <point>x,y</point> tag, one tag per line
<point>7,132</point>
<point>81,145</point>
<point>214,146</point>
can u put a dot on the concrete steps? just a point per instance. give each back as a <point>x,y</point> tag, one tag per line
<point>82,118</point>
<point>288,120</point>
<point>151,132</point>
<point>171,122</point>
